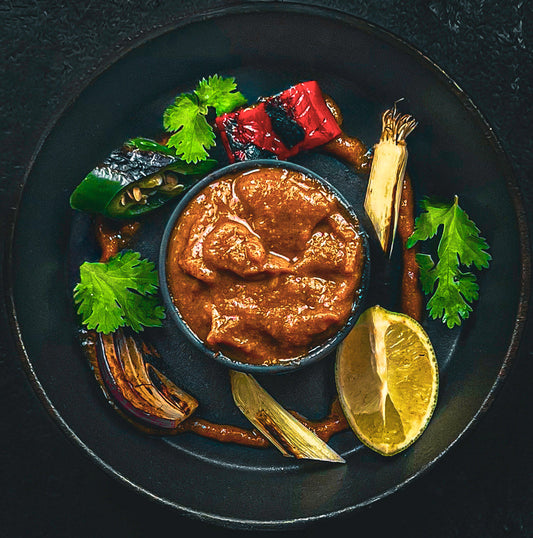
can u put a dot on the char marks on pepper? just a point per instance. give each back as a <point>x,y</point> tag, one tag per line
<point>279,126</point>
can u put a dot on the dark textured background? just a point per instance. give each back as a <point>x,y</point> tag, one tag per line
<point>484,487</point>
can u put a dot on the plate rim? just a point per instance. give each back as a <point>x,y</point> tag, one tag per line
<point>359,23</point>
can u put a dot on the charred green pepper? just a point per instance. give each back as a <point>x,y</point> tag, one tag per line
<point>137,178</point>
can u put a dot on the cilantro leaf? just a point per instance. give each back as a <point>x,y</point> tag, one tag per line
<point>120,292</point>
<point>185,109</point>
<point>193,134</point>
<point>460,244</point>
<point>186,117</point>
<point>219,93</point>
<point>427,276</point>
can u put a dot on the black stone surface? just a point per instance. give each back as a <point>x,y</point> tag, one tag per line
<point>482,488</point>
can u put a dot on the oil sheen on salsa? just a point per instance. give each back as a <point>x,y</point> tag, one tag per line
<point>265,264</point>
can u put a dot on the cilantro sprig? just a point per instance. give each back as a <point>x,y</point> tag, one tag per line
<point>120,292</point>
<point>186,117</point>
<point>452,289</point>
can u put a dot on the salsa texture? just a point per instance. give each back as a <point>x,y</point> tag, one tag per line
<point>265,264</point>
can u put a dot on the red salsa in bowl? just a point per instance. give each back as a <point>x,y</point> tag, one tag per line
<point>264,264</point>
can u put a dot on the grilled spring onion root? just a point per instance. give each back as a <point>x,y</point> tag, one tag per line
<point>383,194</point>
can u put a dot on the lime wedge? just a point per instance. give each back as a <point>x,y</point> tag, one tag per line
<point>387,379</point>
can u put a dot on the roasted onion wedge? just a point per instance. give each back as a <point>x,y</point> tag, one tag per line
<point>153,401</point>
<point>281,428</point>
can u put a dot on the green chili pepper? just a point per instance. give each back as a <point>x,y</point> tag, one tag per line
<point>135,179</point>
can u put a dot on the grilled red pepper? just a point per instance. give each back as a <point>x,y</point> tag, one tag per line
<point>279,126</point>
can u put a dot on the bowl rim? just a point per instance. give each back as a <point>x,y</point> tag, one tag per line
<point>314,354</point>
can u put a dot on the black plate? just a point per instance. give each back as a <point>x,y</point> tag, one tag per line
<point>267,48</point>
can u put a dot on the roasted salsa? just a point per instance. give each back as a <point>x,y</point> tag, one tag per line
<point>264,265</point>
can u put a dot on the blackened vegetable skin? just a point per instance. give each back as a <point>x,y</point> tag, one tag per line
<point>283,123</point>
<point>279,126</point>
<point>134,162</point>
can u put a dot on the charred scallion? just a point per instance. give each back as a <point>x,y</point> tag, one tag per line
<point>281,428</point>
<point>382,201</point>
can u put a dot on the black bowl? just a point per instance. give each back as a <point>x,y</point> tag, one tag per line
<point>316,353</point>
